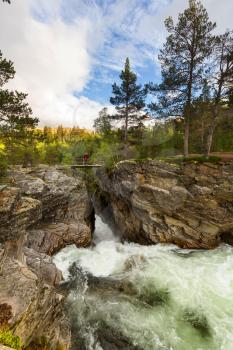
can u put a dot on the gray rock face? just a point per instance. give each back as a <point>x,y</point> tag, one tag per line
<point>42,212</point>
<point>62,196</point>
<point>43,267</point>
<point>35,306</point>
<point>52,237</point>
<point>190,205</point>
<point>65,209</point>
<point>17,213</point>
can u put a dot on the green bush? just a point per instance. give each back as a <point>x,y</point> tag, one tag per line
<point>27,156</point>
<point>108,153</point>
<point>203,159</point>
<point>8,339</point>
<point>3,164</point>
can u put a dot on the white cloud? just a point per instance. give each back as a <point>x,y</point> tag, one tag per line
<point>51,61</point>
<point>53,57</point>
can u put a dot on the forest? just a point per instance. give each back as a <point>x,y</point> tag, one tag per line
<point>189,113</point>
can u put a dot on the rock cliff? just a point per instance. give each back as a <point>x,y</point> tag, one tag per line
<point>188,204</point>
<point>40,213</point>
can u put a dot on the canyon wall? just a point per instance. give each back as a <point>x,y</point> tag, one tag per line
<point>41,211</point>
<point>188,204</point>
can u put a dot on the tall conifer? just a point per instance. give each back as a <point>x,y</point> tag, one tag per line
<point>129,99</point>
<point>183,58</point>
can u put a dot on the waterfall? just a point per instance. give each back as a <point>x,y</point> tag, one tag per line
<point>149,297</point>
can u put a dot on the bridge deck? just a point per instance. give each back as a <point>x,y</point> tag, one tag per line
<point>74,166</point>
<point>86,166</point>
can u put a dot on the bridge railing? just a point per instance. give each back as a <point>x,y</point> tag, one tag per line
<point>81,161</point>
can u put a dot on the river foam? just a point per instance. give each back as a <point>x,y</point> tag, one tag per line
<point>177,299</point>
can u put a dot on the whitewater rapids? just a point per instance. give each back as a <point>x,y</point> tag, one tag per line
<point>192,307</point>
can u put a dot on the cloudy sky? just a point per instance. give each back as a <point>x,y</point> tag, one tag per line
<point>67,53</point>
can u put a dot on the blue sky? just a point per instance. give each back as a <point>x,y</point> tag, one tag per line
<point>67,54</point>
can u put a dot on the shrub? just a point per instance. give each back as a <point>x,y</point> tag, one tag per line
<point>3,164</point>
<point>7,338</point>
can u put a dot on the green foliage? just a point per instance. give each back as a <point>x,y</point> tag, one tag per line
<point>9,339</point>
<point>7,71</point>
<point>3,164</point>
<point>102,124</point>
<point>54,153</point>
<point>188,45</point>
<point>16,122</point>
<point>108,153</point>
<point>129,99</point>
<point>202,159</point>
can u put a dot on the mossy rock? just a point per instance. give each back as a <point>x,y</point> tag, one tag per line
<point>153,296</point>
<point>198,321</point>
<point>7,338</point>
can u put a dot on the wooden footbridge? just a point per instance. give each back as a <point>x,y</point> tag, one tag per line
<point>82,165</point>
<point>75,166</point>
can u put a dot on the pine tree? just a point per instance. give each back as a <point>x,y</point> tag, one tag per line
<point>15,113</point>
<point>201,111</point>
<point>102,124</point>
<point>129,99</point>
<point>187,48</point>
<point>222,80</point>
<point>48,134</point>
<point>60,133</point>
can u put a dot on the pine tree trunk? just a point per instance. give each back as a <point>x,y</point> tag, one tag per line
<point>126,132</point>
<point>214,118</point>
<point>202,133</point>
<point>126,129</point>
<point>186,137</point>
<point>209,138</point>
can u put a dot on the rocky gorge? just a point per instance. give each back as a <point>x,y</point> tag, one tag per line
<point>45,210</point>
<point>188,204</point>
<point>41,211</point>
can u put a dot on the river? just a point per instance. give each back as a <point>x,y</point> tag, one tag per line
<point>151,297</point>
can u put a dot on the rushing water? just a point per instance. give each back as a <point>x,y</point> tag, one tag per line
<point>159,297</point>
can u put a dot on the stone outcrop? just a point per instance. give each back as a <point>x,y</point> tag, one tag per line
<point>66,210</point>
<point>52,237</point>
<point>41,212</point>
<point>188,204</point>
<point>36,307</point>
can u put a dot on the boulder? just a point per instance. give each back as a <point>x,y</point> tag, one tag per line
<point>53,237</point>
<point>43,267</point>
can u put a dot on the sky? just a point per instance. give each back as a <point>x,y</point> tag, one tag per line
<point>68,53</point>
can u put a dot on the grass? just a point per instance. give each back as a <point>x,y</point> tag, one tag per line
<point>191,159</point>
